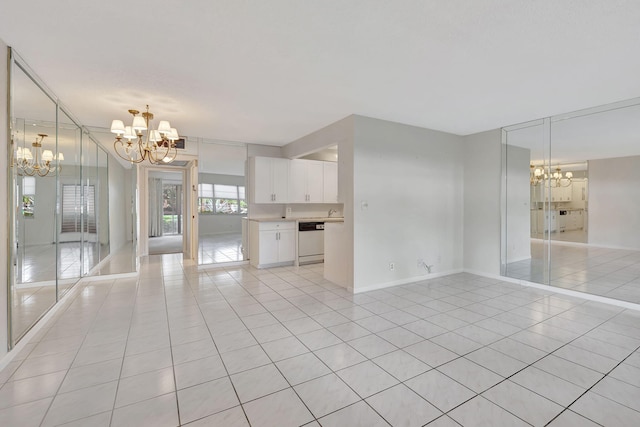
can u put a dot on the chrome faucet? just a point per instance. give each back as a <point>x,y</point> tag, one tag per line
<point>331,211</point>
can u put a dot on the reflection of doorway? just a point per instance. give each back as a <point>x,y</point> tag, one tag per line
<point>166,207</point>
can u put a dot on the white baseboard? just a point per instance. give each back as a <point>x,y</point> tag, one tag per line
<point>405,281</point>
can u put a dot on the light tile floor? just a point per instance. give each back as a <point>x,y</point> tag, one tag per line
<point>219,248</point>
<point>612,273</point>
<point>283,347</point>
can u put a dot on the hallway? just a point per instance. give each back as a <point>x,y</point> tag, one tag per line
<point>283,347</point>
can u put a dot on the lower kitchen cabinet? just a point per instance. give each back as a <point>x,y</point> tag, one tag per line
<point>272,243</point>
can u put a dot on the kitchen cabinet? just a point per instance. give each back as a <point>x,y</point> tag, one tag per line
<point>330,182</point>
<point>575,220</point>
<point>561,194</point>
<point>579,191</point>
<point>277,180</point>
<point>547,221</point>
<point>269,180</point>
<point>306,181</point>
<point>272,243</point>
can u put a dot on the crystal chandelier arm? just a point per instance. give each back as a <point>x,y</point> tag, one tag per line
<point>118,143</point>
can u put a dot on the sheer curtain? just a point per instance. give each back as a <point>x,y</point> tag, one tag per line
<point>155,207</point>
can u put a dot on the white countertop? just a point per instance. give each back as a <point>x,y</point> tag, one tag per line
<point>276,219</point>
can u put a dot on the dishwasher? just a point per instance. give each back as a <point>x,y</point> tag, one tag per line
<point>310,242</point>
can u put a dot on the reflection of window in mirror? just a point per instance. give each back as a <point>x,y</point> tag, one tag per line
<point>28,196</point>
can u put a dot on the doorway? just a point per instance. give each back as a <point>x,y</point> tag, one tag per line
<point>166,207</point>
<point>176,219</point>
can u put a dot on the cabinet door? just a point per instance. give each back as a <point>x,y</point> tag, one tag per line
<point>261,180</point>
<point>268,247</point>
<point>577,190</point>
<point>286,245</point>
<point>330,182</point>
<point>280,179</point>
<point>315,181</point>
<point>297,181</point>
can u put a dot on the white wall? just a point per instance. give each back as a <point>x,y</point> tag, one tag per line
<point>518,193</point>
<point>4,213</point>
<point>482,172</point>
<point>119,206</point>
<point>411,180</point>
<point>614,198</point>
<point>219,224</point>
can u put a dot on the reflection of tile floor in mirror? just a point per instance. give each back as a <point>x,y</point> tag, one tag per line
<point>30,302</point>
<point>220,248</point>
<point>613,273</point>
<point>39,261</point>
<point>284,347</point>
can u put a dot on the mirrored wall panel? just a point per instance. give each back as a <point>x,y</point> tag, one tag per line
<point>572,201</point>
<point>59,192</point>
<point>33,188</point>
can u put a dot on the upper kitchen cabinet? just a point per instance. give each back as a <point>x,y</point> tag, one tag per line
<point>306,181</point>
<point>330,182</point>
<point>270,180</point>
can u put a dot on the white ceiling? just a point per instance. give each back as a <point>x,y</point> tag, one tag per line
<point>273,71</point>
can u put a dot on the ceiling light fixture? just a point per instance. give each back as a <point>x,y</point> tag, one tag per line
<point>158,146</point>
<point>39,162</point>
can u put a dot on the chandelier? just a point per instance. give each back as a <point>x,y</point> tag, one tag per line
<point>559,180</point>
<point>157,145</point>
<point>38,162</point>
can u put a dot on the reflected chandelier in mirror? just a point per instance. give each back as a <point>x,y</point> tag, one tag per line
<point>39,162</point>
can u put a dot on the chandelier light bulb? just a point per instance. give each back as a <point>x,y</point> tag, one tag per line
<point>47,155</point>
<point>164,127</point>
<point>129,133</point>
<point>154,136</point>
<point>139,124</point>
<point>117,127</point>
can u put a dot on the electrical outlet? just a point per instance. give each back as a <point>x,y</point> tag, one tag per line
<point>420,262</point>
<point>392,266</point>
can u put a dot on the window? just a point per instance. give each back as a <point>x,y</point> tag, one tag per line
<point>71,209</point>
<point>221,199</point>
